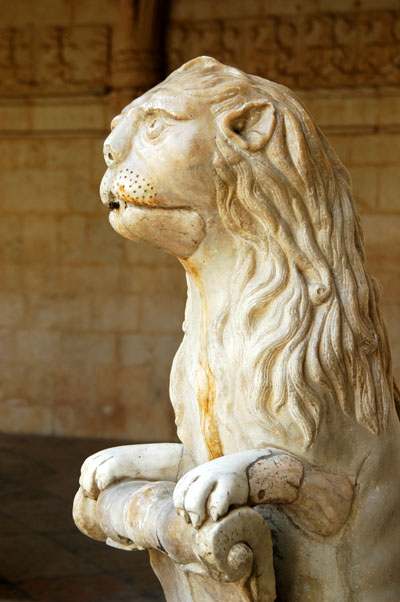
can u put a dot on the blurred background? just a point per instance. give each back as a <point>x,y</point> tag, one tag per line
<point>89,323</point>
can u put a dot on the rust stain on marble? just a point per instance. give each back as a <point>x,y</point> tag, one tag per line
<point>206,399</point>
<point>205,382</point>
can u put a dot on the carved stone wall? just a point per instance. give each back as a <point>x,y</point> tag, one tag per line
<point>54,60</point>
<point>121,50</point>
<point>89,323</point>
<point>326,49</point>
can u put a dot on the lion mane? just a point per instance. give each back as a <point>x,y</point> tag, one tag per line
<point>303,327</point>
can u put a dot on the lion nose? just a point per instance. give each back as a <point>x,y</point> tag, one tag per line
<point>118,143</point>
<point>111,155</point>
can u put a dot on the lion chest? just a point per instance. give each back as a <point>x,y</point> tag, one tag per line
<point>193,396</point>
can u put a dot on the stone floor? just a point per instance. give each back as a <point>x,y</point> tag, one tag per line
<point>42,555</point>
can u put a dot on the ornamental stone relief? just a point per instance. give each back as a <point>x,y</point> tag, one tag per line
<point>305,51</point>
<point>54,60</point>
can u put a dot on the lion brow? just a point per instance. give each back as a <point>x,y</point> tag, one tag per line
<point>154,108</point>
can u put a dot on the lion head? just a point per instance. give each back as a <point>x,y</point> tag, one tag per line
<point>215,159</point>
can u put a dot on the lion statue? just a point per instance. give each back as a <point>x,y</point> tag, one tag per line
<point>282,386</point>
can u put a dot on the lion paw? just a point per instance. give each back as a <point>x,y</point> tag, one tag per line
<point>209,490</point>
<point>102,469</point>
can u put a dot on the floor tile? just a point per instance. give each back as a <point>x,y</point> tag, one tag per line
<point>10,592</point>
<point>93,588</point>
<point>30,555</point>
<point>43,556</point>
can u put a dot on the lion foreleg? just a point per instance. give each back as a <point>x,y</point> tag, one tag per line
<point>316,500</point>
<point>151,462</point>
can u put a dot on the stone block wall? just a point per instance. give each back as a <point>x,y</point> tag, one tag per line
<point>89,322</point>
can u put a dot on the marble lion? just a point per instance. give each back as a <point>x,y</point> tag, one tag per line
<point>282,386</point>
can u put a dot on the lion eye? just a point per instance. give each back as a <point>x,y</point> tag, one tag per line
<point>154,127</point>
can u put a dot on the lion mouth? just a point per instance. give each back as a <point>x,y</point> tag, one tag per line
<point>117,202</point>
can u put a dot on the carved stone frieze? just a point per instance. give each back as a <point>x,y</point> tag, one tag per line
<point>53,60</point>
<point>303,51</point>
<point>125,55</point>
<point>307,51</point>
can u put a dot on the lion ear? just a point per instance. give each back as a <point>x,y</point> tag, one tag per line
<point>251,126</point>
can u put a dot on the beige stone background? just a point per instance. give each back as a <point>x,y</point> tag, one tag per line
<point>89,322</point>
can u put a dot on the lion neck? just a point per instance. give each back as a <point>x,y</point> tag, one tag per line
<point>209,276</point>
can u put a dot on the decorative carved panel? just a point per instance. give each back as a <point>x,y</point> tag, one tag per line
<point>54,60</point>
<point>305,51</point>
<point>125,55</point>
